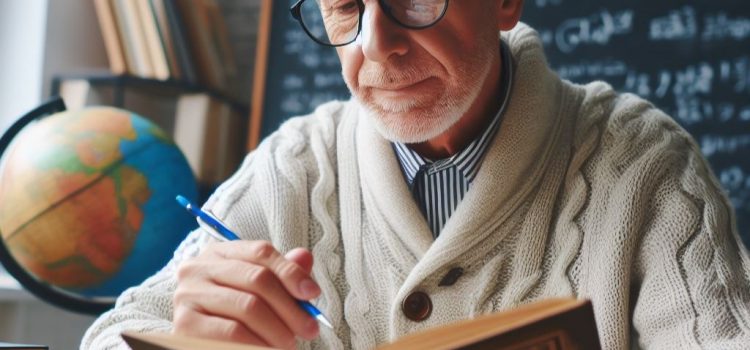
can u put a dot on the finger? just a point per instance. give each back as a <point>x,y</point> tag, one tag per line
<point>249,309</point>
<point>301,257</point>
<point>296,280</point>
<point>202,277</point>
<point>189,322</point>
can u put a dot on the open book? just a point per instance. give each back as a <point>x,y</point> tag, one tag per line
<point>553,324</point>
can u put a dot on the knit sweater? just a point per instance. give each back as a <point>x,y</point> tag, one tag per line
<point>583,192</point>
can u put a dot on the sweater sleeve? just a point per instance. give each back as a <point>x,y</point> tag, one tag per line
<point>144,308</point>
<point>266,199</point>
<point>692,270</point>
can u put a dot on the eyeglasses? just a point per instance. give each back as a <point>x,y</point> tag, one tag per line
<point>338,22</point>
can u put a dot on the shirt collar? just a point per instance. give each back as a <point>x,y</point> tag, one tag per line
<point>469,159</point>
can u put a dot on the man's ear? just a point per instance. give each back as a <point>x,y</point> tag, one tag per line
<point>508,13</point>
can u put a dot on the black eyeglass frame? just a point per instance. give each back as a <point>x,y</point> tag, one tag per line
<point>296,11</point>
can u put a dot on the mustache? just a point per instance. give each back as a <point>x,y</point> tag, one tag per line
<point>379,75</point>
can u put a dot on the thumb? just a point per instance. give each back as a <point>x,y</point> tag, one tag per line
<point>301,257</point>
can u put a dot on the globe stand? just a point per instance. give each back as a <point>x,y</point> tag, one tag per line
<point>44,291</point>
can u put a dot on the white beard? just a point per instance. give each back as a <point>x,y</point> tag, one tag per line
<point>427,120</point>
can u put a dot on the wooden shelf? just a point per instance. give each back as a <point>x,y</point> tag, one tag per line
<point>169,87</point>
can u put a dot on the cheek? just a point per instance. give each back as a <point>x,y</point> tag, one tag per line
<point>351,58</point>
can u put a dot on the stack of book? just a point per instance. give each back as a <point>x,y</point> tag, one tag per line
<point>184,40</point>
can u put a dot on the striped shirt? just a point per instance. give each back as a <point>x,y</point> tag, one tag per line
<point>439,185</point>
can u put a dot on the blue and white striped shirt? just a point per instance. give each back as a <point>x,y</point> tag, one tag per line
<point>439,185</point>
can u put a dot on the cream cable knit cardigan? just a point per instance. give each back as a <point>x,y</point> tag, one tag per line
<point>583,192</point>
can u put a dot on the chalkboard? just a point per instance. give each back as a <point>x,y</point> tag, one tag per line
<point>691,59</point>
<point>293,74</point>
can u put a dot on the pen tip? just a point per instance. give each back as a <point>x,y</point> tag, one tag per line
<point>324,321</point>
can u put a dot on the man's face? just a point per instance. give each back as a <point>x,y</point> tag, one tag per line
<point>415,84</point>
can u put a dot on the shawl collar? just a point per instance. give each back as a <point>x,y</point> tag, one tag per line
<point>513,166</point>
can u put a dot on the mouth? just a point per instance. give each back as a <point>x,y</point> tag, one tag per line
<point>402,87</point>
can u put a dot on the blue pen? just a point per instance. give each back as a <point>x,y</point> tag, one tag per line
<point>227,235</point>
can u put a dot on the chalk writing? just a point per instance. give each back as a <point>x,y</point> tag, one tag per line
<point>737,184</point>
<point>607,68</point>
<point>327,80</point>
<point>690,88</point>
<point>733,178</point>
<point>545,3</point>
<point>720,26</point>
<point>724,144</point>
<point>678,24</point>
<point>596,29</point>
<point>293,81</point>
<point>301,102</point>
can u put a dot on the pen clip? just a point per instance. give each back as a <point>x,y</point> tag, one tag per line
<point>213,231</point>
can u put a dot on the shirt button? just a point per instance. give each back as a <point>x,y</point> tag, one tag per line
<point>451,277</point>
<point>417,306</point>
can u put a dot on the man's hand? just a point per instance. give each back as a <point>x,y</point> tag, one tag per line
<point>246,291</point>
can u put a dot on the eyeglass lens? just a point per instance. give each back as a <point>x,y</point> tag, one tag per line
<point>336,22</point>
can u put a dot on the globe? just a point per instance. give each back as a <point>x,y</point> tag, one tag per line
<point>87,200</point>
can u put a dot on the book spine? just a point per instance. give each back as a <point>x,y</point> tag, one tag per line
<point>124,35</point>
<point>220,36</point>
<point>153,41</point>
<point>112,42</point>
<point>232,138</point>
<point>207,62</point>
<point>181,44</point>
<point>189,128</point>
<point>134,37</point>
<point>160,15</point>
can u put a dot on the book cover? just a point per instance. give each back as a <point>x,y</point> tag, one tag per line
<point>552,324</point>
<point>162,341</point>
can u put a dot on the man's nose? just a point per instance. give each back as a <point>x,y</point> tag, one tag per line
<point>381,37</point>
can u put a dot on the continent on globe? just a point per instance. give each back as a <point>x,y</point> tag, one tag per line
<point>86,200</point>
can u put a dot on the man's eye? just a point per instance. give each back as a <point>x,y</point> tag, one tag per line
<point>346,7</point>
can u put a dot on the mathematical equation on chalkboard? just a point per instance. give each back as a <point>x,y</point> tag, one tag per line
<point>690,60</point>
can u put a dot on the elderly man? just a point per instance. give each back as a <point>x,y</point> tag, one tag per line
<point>463,177</point>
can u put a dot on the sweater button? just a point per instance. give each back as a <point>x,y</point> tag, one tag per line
<point>417,306</point>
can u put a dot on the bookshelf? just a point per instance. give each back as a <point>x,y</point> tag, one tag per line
<point>62,42</point>
<point>173,62</point>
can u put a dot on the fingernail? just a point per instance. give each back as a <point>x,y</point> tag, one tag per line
<point>309,288</point>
